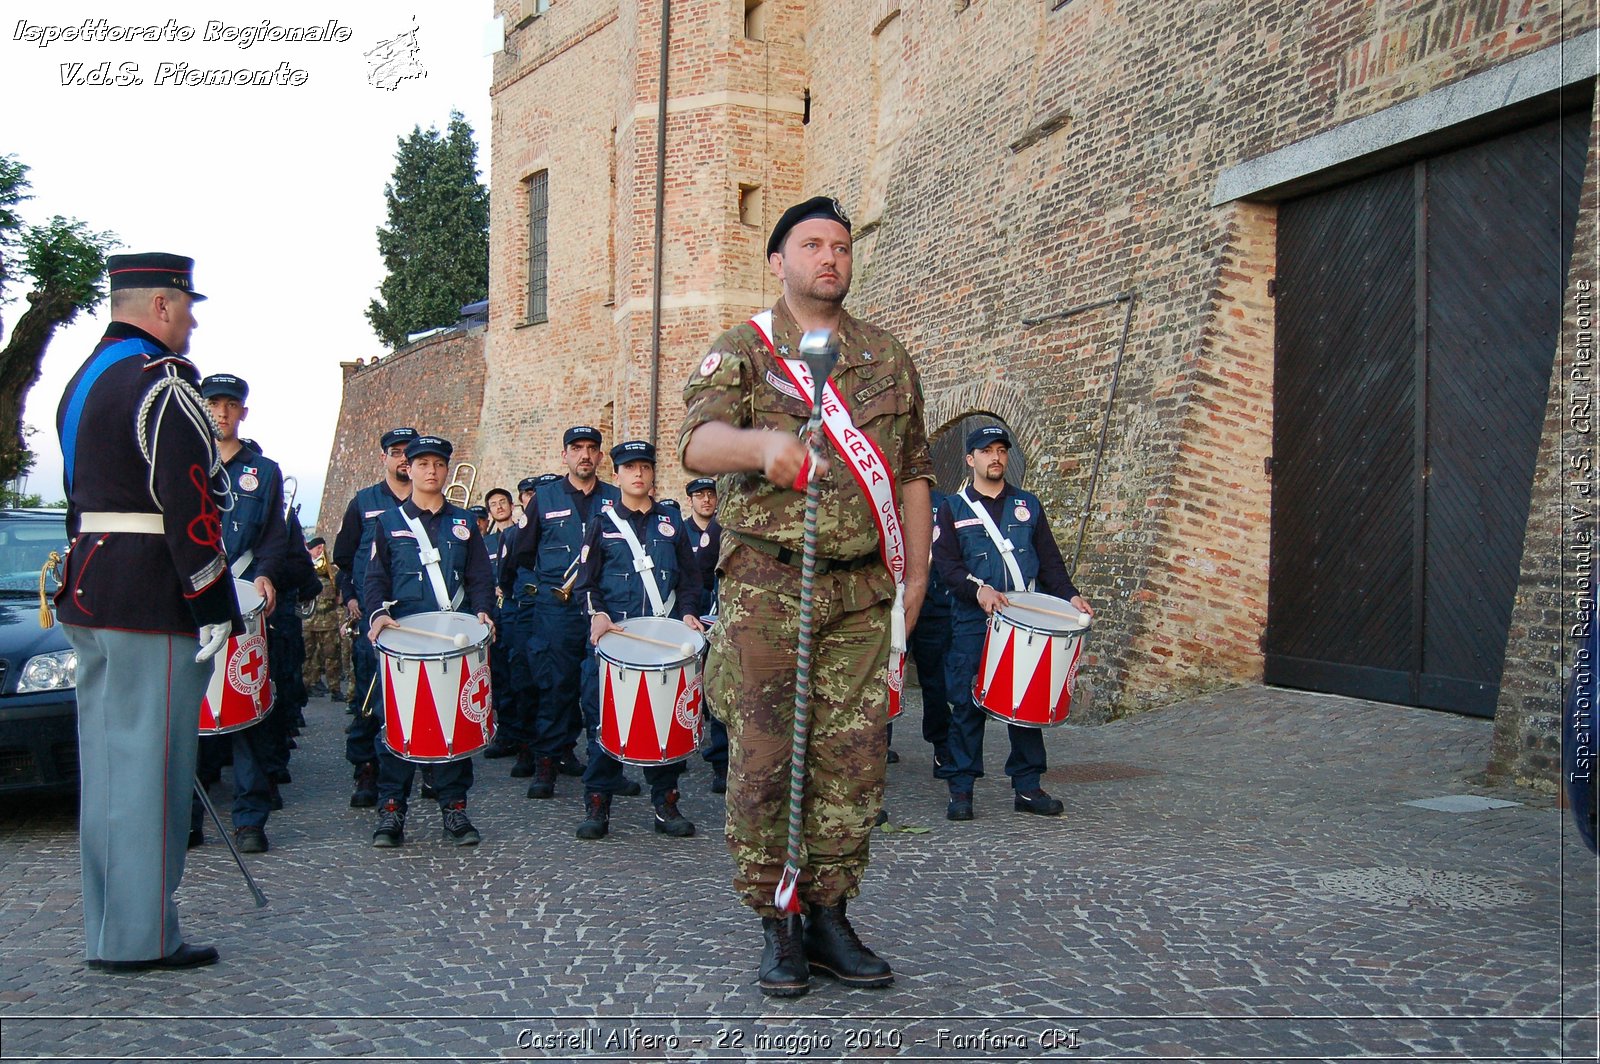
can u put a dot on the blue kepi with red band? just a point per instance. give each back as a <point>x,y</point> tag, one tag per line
<point>152,269</point>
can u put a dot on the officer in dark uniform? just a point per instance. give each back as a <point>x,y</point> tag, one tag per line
<point>497,509</point>
<point>705,538</point>
<point>516,586</point>
<point>399,582</point>
<point>257,541</point>
<point>615,584</point>
<point>970,564</point>
<point>554,524</point>
<point>930,643</point>
<point>144,571</point>
<point>298,589</point>
<point>352,548</point>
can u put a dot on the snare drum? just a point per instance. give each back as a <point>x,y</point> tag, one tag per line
<point>240,690</point>
<point>437,702</point>
<point>650,694</point>
<point>1030,660</point>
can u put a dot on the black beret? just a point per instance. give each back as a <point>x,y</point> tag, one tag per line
<point>815,207</point>
<point>428,445</point>
<point>394,436</point>
<point>224,384</point>
<point>701,484</point>
<point>633,451</point>
<point>978,439</point>
<point>316,541</point>
<point>153,269</point>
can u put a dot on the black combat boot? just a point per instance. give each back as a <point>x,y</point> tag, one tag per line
<point>597,816</point>
<point>525,762</point>
<point>671,822</point>
<point>544,778</point>
<point>832,948</point>
<point>365,795</point>
<point>783,958</point>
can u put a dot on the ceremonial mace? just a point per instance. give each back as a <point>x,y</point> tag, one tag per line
<point>819,349</point>
<point>205,800</point>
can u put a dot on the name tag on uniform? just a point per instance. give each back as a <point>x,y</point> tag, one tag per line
<point>612,535</point>
<point>784,386</point>
<point>373,513</point>
<point>404,533</point>
<point>969,521</point>
<point>553,514</point>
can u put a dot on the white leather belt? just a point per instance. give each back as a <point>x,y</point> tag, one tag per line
<point>150,524</point>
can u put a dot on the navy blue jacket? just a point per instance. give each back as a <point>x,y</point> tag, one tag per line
<point>395,573</point>
<point>353,545</point>
<point>555,522</point>
<point>964,555</point>
<point>256,523</point>
<point>607,582</point>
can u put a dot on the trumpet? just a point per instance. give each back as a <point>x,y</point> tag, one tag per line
<point>462,480</point>
<point>569,578</point>
<point>291,487</point>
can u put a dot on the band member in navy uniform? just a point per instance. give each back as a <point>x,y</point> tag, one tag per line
<point>516,588</point>
<point>972,565</point>
<point>497,505</point>
<point>636,561</point>
<point>554,524</point>
<point>403,577</point>
<point>705,538</point>
<point>351,549</point>
<point>930,642</point>
<point>144,572</point>
<point>257,542</point>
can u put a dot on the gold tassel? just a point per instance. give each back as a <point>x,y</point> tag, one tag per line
<point>47,619</point>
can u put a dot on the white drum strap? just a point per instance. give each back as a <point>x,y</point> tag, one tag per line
<point>430,562</point>
<point>241,564</point>
<point>1004,546</point>
<point>642,565</point>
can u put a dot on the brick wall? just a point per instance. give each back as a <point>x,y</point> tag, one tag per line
<point>434,385</point>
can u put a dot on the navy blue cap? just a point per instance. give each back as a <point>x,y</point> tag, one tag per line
<point>633,451</point>
<point>701,484</point>
<point>527,484</point>
<point>224,384</point>
<point>580,432</point>
<point>428,445</point>
<point>394,436</point>
<point>547,478</point>
<point>978,439</point>
<point>673,504</point>
<point>478,511</point>
<point>152,269</point>
<point>815,207</point>
<point>315,541</point>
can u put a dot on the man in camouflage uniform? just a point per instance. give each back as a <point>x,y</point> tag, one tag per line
<point>743,419</point>
<point>326,649</point>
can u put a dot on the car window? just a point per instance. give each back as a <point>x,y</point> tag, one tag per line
<point>25,545</point>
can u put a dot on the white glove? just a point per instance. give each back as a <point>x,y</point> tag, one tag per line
<point>213,637</point>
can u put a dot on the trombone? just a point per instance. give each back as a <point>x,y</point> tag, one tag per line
<point>461,483</point>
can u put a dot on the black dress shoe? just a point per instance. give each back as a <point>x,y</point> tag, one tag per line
<point>250,840</point>
<point>783,958</point>
<point>893,758</point>
<point>197,837</point>
<point>628,788</point>
<point>500,748</point>
<point>569,765</point>
<point>185,956</point>
<point>832,948</point>
<point>960,806</point>
<point>1037,802</point>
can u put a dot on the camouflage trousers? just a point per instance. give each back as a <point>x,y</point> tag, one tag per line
<point>327,659</point>
<point>750,678</point>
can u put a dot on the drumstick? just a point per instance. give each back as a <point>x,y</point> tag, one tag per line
<point>686,649</point>
<point>459,639</point>
<point>1080,618</point>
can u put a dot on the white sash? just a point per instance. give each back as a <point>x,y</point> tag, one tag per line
<point>1006,548</point>
<point>241,564</point>
<point>871,470</point>
<point>642,565</point>
<point>430,562</point>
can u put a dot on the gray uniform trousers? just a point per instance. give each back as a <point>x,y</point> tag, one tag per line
<point>138,729</point>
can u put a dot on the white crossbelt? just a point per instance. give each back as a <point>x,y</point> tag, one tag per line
<point>430,562</point>
<point>1006,548</point>
<point>241,564</point>
<point>643,566</point>
<point>148,524</point>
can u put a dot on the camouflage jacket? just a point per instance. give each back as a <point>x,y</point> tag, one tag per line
<point>740,382</point>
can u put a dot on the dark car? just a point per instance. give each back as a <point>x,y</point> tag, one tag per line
<point>38,693</point>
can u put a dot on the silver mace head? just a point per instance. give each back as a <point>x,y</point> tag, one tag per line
<point>819,348</point>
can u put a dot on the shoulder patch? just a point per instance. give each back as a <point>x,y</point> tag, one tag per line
<point>710,364</point>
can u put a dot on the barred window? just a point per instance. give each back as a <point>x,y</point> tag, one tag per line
<point>538,246</point>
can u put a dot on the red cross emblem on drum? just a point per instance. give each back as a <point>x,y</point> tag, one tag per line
<point>475,698</point>
<point>247,666</point>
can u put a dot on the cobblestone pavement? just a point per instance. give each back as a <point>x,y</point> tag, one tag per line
<point>1237,877</point>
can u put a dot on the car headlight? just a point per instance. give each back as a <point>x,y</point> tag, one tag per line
<point>49,672</point>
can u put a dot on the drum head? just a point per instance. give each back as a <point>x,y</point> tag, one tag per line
<point>250,599</point>
<point>1028,610</point>
<point>642,655</point>
<point>447,625</point>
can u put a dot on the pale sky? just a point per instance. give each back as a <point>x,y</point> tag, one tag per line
<point>275,190</point>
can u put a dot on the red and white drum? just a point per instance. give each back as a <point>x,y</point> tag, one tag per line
<point>1030,660</point>
<point>437,704</point>
<point>650,692</point>
<point>240,690</point>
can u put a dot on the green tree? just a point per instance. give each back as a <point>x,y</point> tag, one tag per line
<point>65,264</point>
<point>436,245</point>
